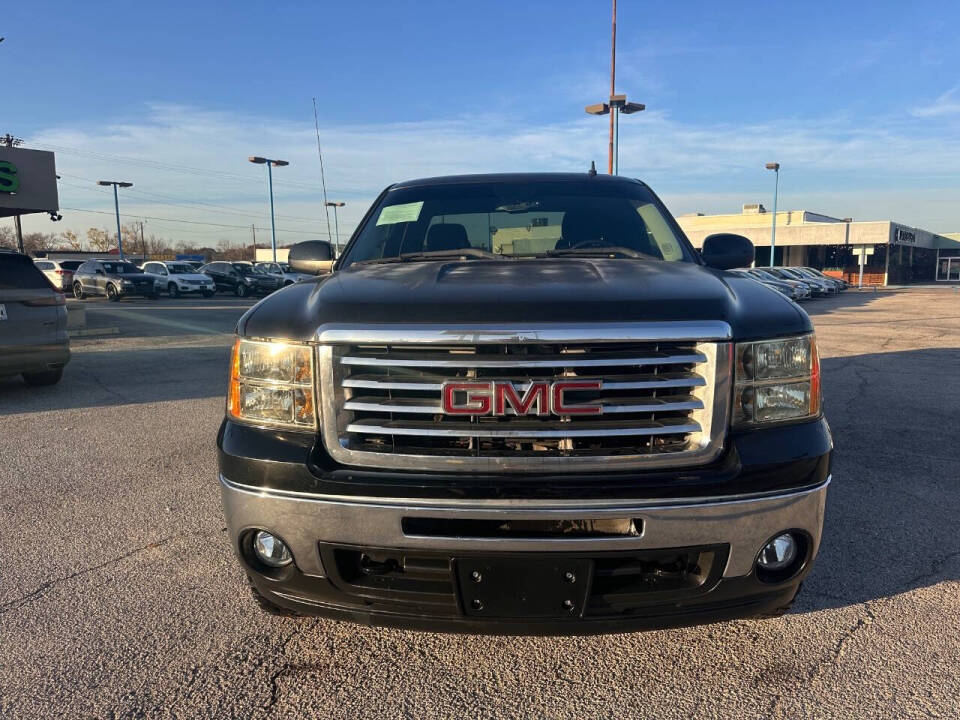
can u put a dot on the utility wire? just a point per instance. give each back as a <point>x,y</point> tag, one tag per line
<point>189,222</point>
<point>323,181</point>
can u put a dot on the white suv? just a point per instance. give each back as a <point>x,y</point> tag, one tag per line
<point>58,272</point>
<point>176,278</point>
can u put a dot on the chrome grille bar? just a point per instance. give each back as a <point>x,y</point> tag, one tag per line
<point>521,430</point>
<point>412,405</point>
<point>472,361</point>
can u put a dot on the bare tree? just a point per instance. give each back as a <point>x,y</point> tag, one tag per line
<point>101,240</point>
<point>8,238</point>
<point>70,240</point>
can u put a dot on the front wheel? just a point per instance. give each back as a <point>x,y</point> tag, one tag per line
<point>112,294</point>
<point>78,291</point>
<point>173,290</point>
<point>46,377</point>
<point>242,290</point>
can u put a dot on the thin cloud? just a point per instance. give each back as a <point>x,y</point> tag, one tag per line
<point>947,103</point>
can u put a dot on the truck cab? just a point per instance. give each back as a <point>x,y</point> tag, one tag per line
<point>525,404</point>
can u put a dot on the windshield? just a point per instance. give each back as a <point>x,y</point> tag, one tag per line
<point>178,269</point>
<point>518,220</point>
<point>267,268</point>
<point>242,269</point>
<point>120,268</point>
<point>70,264</point>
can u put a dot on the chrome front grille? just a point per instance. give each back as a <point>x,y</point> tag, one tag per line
<point>664,397</point>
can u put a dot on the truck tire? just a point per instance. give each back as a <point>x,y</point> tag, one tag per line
<point>267,606</point>
<point>45,377</point>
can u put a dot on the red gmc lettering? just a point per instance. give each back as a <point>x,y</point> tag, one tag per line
<point>478,401</point>
<point>538,392</point>
<point>559,406</point>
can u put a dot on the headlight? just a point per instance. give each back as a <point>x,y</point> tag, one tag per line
<point>272,383</point>
<point>777,380</point>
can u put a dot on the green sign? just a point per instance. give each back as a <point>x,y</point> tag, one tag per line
<point>9,182</point>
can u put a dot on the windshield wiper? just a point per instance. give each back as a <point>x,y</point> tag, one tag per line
<point>461,254</point>
<point>600,251</point>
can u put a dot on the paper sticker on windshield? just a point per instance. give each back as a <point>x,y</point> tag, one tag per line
<point>407,212</point>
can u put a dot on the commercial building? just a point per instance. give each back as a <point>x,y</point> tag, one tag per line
<point>892,253</point>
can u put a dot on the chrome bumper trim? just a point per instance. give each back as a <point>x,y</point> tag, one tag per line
<point>303,521</point>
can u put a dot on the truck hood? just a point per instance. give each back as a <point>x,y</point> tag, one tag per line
<point>535,291</point>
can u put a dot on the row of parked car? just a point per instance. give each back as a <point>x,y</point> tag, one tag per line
<point>797,283</point>
<point>115,278</point>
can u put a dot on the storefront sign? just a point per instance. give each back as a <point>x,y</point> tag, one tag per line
<point>904,237</point>
<point>28,182</point>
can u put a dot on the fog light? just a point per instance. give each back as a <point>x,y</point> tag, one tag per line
<point>271,550</point>
<point>779,553</point>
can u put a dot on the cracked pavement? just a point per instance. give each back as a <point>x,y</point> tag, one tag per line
<point>119,596</point>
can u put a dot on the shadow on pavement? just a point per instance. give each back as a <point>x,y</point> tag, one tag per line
<point>891,519</point>
<point>123,377</point>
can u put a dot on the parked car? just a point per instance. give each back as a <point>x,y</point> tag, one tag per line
<point>763,275</point>
<point>33,322</point>
<point>819,286</point>
<point>59,272</point>
<point>113,278</point>
<point>603,430</point>
<point>794,292</point>
<point>177,278</point>
<point>240,278</point>
<point>839,283</point>
<point>282,271</point>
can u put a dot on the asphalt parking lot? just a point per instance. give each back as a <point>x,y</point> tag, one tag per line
<point>119,596</point>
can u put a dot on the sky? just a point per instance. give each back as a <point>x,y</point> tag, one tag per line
<point>858,101</point>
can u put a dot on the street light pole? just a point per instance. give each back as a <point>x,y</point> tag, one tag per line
<point>270,165</point>
<point>776,189</point>
<point>616,105</point>
<point>116,206</point>
<point>336,222</point>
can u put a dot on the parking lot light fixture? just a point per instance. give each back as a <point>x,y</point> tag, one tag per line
<point>257,160</point>
<point>336,223</point>
<point>776,188</point>
<point>116,206</point>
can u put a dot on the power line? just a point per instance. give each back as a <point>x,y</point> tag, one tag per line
<point>195,204</point>
<point>190,222</point>
<point>170,167</point>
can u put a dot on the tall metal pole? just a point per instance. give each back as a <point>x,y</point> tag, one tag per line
<point>613,75</point>
<point>616,140</point>
<point>336,223</point>
<point>773,228</point>
<point>116,206</point>
<point>273,226</point>
<point>16,222</point>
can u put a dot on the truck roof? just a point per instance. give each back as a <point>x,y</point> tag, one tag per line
<point>516,178</point>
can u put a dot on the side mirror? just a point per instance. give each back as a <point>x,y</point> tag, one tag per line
<point>725,251</point>
<point>311,256</point>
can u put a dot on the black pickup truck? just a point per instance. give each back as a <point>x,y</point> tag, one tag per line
<point>525,404</point>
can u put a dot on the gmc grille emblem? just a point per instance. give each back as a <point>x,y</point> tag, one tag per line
<point>541,398</point>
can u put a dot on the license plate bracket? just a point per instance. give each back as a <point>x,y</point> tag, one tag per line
<point>525,587</point>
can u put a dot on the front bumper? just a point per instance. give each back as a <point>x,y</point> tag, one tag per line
<point>720,536</point>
